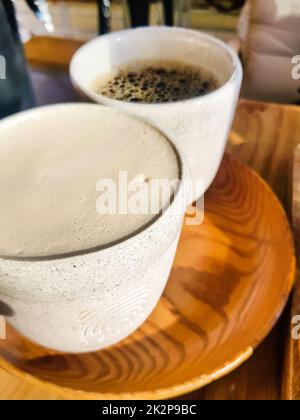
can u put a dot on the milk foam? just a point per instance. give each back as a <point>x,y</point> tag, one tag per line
<point>50,163</point>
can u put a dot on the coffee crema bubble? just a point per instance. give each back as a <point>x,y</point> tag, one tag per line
<point>157,82</point>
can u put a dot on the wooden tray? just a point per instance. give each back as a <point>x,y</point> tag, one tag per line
<point>231,279</point>
<point>291,382</point>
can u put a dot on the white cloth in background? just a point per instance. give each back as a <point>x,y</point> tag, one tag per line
<point>270,31</point>
<point>282,13</point>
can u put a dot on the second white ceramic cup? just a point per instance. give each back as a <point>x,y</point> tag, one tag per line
<point>200,125</point>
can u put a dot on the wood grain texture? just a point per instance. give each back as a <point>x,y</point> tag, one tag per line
<point>291,383</point>
<point>264,136</point>
<point>230,281</point>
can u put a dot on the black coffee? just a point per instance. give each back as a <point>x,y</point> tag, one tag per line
<point>157,83</point>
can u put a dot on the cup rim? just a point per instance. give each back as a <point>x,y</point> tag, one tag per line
<point>236,64</point>
<point>144,230</point>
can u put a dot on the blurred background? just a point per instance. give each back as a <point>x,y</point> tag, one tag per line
<point>78,19</point>
<point>265,33</point>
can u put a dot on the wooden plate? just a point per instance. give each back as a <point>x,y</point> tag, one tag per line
<point>231,279</point>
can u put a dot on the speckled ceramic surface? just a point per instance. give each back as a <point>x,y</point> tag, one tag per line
<point>200,125</point>
<point>89,300</point>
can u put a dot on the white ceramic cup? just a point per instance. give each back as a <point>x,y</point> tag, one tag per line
<point>200,125</point>
<point>89,300</point>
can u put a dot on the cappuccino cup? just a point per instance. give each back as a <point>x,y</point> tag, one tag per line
<point>77,277</point>
<point>199,124</point>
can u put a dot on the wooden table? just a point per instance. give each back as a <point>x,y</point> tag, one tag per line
<point>264,136</point>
